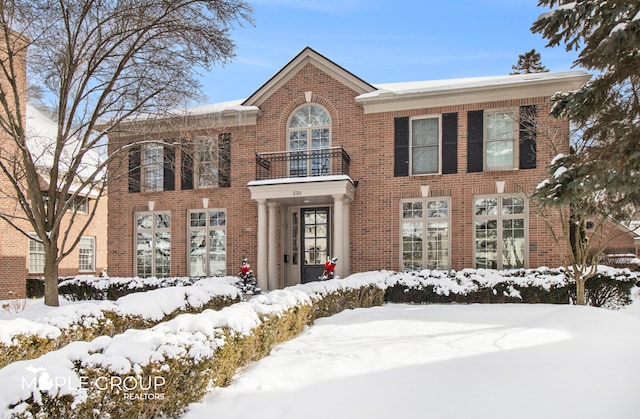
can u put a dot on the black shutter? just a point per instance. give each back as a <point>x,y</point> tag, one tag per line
<point>186,175</point>
<point>528,137</point>
<point>475,146</point>
<point>401,147</point>
<point>224,160</point>
<point>449,143</point>
<point>134,169</point>
<point>169,168</point>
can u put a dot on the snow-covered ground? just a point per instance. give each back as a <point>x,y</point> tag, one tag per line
<point>440,361</point>
<point>446,361</point>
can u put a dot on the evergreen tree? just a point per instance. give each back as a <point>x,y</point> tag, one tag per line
<point>529,62</point>
<point>600,179</point>
<point>606,110</point>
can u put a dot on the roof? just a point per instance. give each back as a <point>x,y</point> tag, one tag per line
<point>41,134</point>
<point>386,97</point>
<point>308,56</point>
<point>434,86</point>
<point>432,93</point>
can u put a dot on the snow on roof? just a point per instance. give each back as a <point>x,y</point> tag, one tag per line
<point>233,105</point>
<point>386,90</point>
<point>41,134</point>
<point>433,86</point>
<point>41,130</point>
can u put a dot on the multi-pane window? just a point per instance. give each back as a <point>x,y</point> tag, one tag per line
<point>36,255</point>
<point>206,163</point>
<point>309,132</point>
<point>80,204</point>
<point>425,234</point>
<point>153,167</point>
<point>87,254</point>
<point>153,244</point>
<point>208,242</point>
<point>500,232</point>
<point>501,144</point>
<point>425,146</point>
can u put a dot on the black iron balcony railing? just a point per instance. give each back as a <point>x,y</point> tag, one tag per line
<point>290,164</point>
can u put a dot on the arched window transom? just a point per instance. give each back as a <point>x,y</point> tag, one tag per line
<point>309,131</point>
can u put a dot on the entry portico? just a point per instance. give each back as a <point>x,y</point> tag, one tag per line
<point>313,225</point>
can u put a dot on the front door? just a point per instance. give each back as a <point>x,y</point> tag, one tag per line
<point>315,239</point>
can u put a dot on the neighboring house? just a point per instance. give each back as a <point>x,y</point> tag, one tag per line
<point>619,238</point>
<point>318,162</point>
<point>21,257</point>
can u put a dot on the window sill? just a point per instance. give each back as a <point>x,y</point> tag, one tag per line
<point>500,171</point>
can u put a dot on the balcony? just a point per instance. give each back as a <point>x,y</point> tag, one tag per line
<point>306,163</point>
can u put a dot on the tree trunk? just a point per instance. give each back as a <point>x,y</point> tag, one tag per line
<point>51,277</point>
<point>581,299</point>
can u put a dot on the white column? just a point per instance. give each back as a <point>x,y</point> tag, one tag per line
<point>263,271</point>
<point>272,255</point>
<point>346,265</point>
<point>338,232</point>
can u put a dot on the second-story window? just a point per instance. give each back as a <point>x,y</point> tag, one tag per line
<point>501,144</point>
<point>425,146</point>
<point>153,167</point>
<point>309,132</point>
<point>206,163</point>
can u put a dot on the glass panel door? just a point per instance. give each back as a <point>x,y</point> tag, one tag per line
<point>315,238</point>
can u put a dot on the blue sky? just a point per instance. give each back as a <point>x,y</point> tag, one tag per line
<point>384,41</point>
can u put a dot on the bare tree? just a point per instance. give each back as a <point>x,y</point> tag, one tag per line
<point>98,63</point>
<point>579,215</point>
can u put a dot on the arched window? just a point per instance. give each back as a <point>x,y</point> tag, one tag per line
<point>309,131</point>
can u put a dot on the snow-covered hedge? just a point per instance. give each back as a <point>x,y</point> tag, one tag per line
<point>159,371</point>
<point>25,339</point>
<point>88,287</point>
<point>610,288</point>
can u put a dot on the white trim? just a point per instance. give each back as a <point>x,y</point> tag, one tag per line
<point>307,56</point>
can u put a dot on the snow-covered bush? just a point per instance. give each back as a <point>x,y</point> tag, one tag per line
<point>25,339</point>
<point>87,287</point>
<point>185,355</point>
<point>610,288</point>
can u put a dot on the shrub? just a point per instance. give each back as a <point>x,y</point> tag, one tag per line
<point>190,352</point>
<point>90,320</point>
<point>610,288</point>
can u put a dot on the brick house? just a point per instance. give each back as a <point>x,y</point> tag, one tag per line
<point>318,162</point>
<point>21,257</point>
